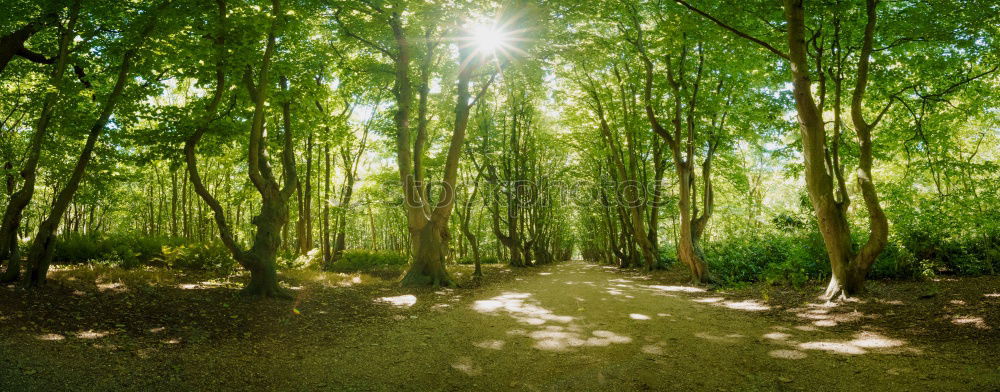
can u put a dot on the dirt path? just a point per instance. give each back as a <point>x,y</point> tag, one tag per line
<point>576,326</point>
<point>572,326</point>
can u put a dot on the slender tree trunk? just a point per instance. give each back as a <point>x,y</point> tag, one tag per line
<point>10,225</point>
<point>40,253</point>
<point>327,255</point>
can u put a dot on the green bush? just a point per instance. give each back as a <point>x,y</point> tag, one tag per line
<point>897,262</point>
<point>792,257</point>
<point>131,251</point>
<point>355,260</point>
<point>120,250</point>
<point>202,257</point>
<point>666,257</point>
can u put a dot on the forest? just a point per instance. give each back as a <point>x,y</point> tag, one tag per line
<point>499,195</point>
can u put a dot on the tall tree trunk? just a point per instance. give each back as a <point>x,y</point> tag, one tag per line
<point>688,250</point>
<point>849,268</point>
<point>628,185</point>
<point>19,200</point>
<point>40,253</point>
<point>327,255</point>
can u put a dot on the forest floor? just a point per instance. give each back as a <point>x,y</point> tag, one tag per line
<point>571,326</point>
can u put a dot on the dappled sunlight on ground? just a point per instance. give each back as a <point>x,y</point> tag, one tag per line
<point>91,334</point>
<point>974,321</point>
<point>823,314</point>
<point>747,305</point>
<point>554,332</point>
<point>520,307</point>
<point>491,344</point>
<point>677,289</point>
<point>201,285</point>
<point>51,337</point>
<point>115,287</point>
<point>465,365</point>
<point>401,301</point>
<point>863,342</point>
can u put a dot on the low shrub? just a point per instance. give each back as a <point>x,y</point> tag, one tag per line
<point>120,250</point>
<point>792,257</point>
<point>210,256</point>
<point>666,257</point>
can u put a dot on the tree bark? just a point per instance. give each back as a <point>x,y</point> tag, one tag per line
<point>849,268</point>
<point>18,201</point>
<point>40,253</point>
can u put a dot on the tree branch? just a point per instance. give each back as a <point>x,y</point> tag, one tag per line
<point>734,30</point>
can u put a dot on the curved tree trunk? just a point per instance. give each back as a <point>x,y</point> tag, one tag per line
<point>40,253</point>
<point>688,250</point>
<point>11,222</point>
<point>849,269</point>
<point>260,260</point>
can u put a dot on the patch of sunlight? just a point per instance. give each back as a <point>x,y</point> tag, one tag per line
<point>50,337</point>
<point>520,307</point>
<point>200,285</point>
<point>807,328</point>
<point>992,295</point>
<point>787,354</point>
<point>957,302</point>
<point>401,301</point>
<point>862,341</point>
<point>652,349</point>
<point>777,336</point>
<point>440,307</point>
<point>545,273</point>
<point>171,341</point>
<point>606,338</point>
<point>663,314</point>
<point>681,289</point>
<point>974,321</point>
<point>708,300</point>
<point>91,334</point>
<point>748,305</point>
<point>731,338</point>
<point>620,281</point>
<point>157,329</point>
<point>552,340</point>
<point>821,316</point>
<point>834,347</point>
<point>615,292</point>
<point>492,344</point>
<point>465,365</point>
<point>867,339</point>
<point>637,316</point>
<point>113,287</point>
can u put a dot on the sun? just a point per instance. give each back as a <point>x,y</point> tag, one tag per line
<point>488,39</point>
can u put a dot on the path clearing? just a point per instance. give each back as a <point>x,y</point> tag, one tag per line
<point>579,326</point>
<point>571,326</point>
